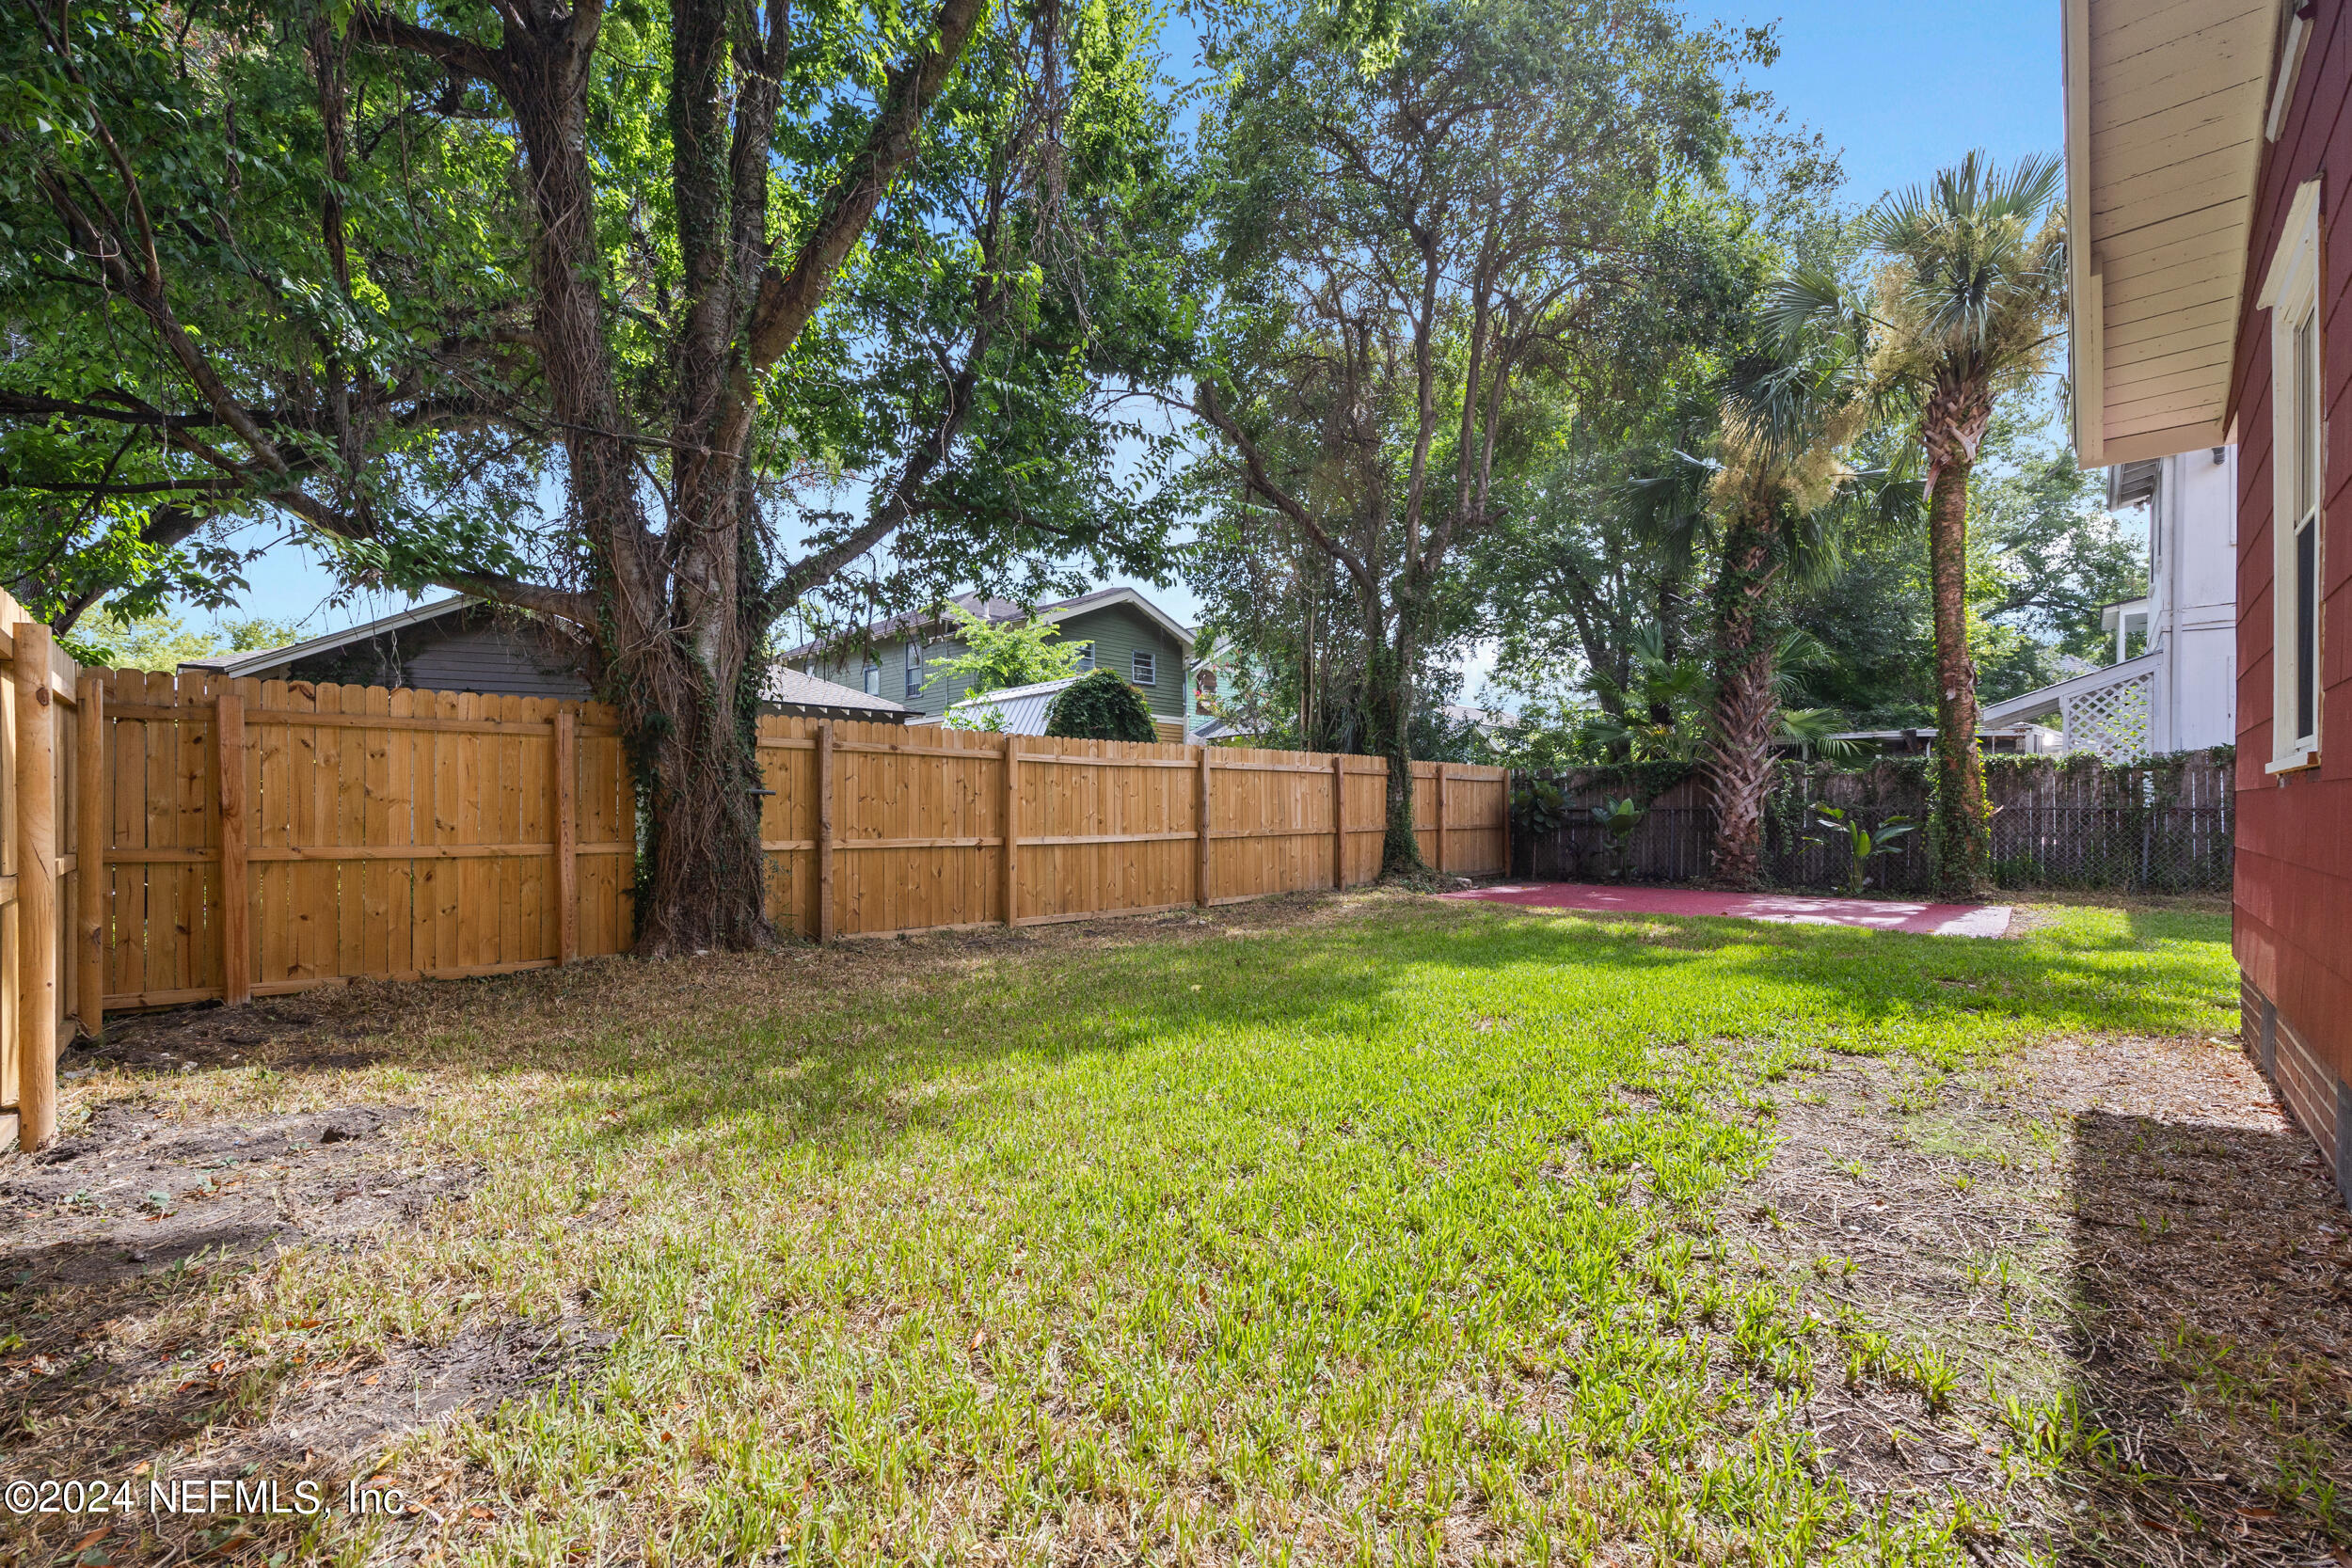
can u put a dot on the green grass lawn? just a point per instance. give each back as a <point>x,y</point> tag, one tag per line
<point>1378,1233</point>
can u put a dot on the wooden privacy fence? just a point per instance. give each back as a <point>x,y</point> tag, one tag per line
<point>873,829</point>
<point>168,839</point>
<point>262,837</point>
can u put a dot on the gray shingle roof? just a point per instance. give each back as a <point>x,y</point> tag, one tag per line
<point>790,687</point>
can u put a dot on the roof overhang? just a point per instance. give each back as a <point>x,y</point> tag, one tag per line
<point>236,666</point>
<point>2033,705</point>
<point>1122,594</point>
<point>2166,105</point>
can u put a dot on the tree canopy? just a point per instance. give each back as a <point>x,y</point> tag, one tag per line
<point>595,311</point>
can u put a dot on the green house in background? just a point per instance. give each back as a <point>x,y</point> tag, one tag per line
<point>1115,628</point>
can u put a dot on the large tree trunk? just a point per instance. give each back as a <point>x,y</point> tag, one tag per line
<point>694,750</point>
<point>1739,771</point>
<point>1962,826</point>
<point>1388,718</point>
<point>672,647</point>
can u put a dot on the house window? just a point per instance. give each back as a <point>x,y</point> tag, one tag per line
<point>1086,655</point>
<point>1142,669</point>
<point>2299,426</point>
<point>873,679</point>
<point>915,667</point>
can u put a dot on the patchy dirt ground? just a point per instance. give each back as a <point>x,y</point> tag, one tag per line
<point>123,1248</point>
<point>2121,1251</point>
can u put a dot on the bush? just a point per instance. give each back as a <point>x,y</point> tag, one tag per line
<point>1101,706</point>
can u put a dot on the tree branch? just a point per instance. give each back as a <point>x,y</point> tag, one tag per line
<point>1209,408</point>
<point>788,297</point>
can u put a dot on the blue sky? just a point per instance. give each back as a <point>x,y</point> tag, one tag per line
<point>1899,88</point>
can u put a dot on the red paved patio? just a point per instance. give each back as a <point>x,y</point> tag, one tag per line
<point>1875,914</point>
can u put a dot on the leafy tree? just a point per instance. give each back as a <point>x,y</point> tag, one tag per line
<point>159,641</point>
<point>2055,556</point>
<point>1407,255</point>
<point>1001,654</point>
<point>1101,706</point>
<point>1968,306</point>
<point>570,308</point>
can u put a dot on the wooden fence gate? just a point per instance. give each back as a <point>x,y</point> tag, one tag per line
<point>169,839</point>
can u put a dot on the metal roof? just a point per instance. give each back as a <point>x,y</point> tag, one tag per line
<point>1026,709</point>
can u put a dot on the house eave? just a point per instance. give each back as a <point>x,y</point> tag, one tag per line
<point>2165,110</point>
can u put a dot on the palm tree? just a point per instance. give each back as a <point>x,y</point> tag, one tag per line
<point>1968,309</point>
<point>1781,494</point>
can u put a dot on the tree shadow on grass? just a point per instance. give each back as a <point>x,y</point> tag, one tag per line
<point>854,1065</point>
<point>2210,1267</point>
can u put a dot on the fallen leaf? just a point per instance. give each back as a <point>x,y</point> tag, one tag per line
<point>94,1537</point>
<point>2258,1513</point>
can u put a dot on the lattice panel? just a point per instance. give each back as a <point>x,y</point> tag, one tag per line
<point>2111,721</point>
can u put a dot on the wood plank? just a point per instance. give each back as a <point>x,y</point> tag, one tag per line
<point>1205,798</point>
<point>566,842</point>
<point>348,746</point>
<point>506,757</point>
<point>36,907</point>
<point>308,817</point>
<point>282,711</point>
<point>1009,827</point>
<point>383,889</point>
<point>230,754</point>
<point>1339,822</point>
<point>824,833</point>
<point>1442,817</point>
<point>90,807</point>
<point>444,749</point>
<point>125,772</point>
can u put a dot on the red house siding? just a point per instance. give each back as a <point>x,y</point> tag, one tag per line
<point>2293,925</point>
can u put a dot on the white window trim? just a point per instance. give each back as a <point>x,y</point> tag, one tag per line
<point>2291,294</point>
<point>1136,659</point>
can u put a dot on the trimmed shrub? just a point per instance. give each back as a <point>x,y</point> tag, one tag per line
<point>1101,706</point>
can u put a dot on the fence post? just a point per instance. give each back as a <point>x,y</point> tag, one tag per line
<point>1012,830</point>
<point>93,894</point>
<point>1339,821</point>
<point>824,831</point>
<point>36,889</point>
<point>1201,825</point>
<point>566,841</point>
<point>236,956</point>
<point>1441,817</point>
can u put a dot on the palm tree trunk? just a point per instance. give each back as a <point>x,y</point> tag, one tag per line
<point>1739,771</point>
<point>1962,826</point>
